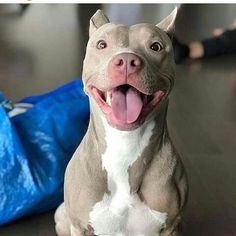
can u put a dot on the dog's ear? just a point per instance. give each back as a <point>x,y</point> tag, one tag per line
<point>168,23</point>
<point>97,20</point>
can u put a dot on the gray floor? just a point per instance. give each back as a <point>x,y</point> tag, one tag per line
<point>38,55</point>
<point>202,121</point>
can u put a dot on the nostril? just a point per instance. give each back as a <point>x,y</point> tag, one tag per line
<point>132,63</point>
<point>135,63</point>
<point>119,62</point>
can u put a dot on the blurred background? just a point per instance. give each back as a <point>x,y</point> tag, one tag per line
<point>42,46</point>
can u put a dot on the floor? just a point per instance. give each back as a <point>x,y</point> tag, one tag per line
<point>202,122</point>
<point>37,55</point>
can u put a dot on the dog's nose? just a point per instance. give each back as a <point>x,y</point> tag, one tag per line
<point>127,62</point>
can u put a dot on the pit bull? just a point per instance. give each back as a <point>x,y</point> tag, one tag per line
<point>125,178</point>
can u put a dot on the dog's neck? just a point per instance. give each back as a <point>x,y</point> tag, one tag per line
<point>129,143</point>
<point>102,129</point>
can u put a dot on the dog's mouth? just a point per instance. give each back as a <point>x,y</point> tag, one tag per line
<point>125,107</point>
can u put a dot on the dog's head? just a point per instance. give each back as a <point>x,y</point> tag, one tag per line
<point>128,71</point>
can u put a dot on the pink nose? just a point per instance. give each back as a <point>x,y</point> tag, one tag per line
<point>127,63</point>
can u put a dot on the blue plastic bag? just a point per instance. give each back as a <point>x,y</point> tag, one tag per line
<point>35,148</point>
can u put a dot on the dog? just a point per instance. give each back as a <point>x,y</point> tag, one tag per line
<point>125,178</point>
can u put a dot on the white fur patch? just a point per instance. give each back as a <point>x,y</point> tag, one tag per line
<point>144,221</point>
<point>117,213</point>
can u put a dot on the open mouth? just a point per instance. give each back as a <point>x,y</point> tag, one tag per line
<point>125,106</point>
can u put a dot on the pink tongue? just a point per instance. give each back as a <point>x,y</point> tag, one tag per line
<point>126,105</point>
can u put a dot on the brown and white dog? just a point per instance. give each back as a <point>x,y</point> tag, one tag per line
<point>125,178</point>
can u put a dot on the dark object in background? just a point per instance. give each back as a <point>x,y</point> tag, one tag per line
<point>212,47</point>
<point>35,148</point>
<point>24,7</point>
<point>181,51</point>
<point>223,44</point>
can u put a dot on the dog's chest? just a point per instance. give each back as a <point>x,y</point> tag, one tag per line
<point>123,149</point>
<point>115,214</point>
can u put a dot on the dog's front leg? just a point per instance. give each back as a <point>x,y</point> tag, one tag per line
<point>174,230</point>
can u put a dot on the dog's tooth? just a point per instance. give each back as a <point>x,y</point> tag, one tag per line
<point>108,98</point>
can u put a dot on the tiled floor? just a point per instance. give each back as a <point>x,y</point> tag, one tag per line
<point>39,54</point>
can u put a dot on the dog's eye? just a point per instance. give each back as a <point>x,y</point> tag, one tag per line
<point>101,44</point>
<point>156,47</point>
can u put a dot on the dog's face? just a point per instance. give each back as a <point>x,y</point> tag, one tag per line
<point>128,71</point>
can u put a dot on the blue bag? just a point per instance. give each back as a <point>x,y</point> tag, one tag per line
<point>35,148</point>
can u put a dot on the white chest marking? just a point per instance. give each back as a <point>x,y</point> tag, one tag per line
<point>111,215</point>
<point>123,149</point>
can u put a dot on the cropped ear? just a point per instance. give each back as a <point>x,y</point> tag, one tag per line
<point>168,23</point>
<point>96,21</point>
